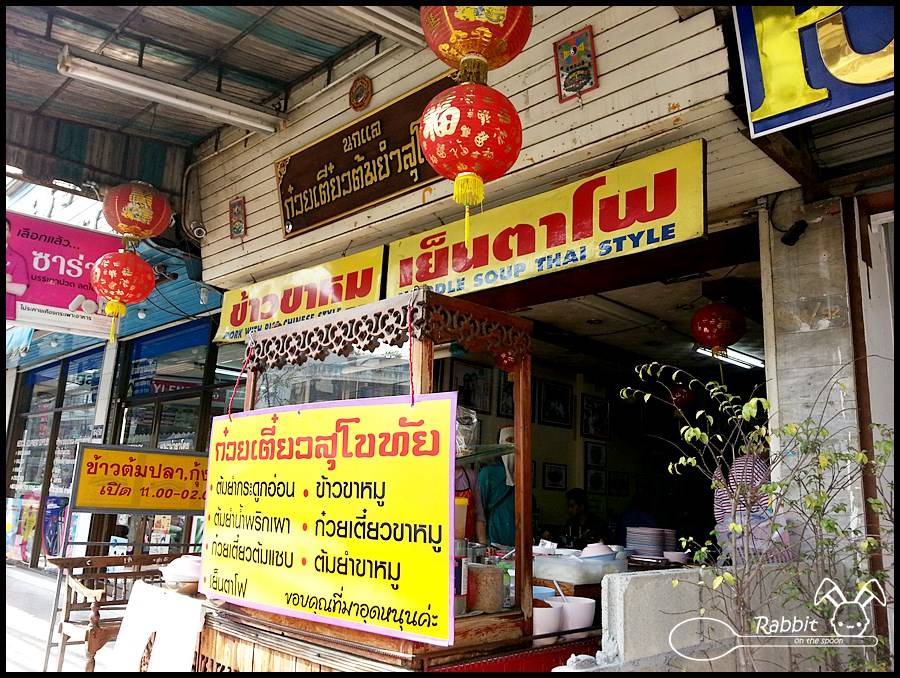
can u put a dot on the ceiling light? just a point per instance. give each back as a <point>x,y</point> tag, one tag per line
<point>14,170</point>
<point>733,357</point>
<point>54,343</point>
<point>204,296</point>
<point>142,314</point>
<point>82,65</point>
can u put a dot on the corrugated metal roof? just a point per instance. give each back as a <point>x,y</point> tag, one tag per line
<point>257,51</point>
<point>852,136</point>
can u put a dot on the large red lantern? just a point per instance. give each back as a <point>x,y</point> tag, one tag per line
<point>716,326</point>
<point>137,210</point>
<point>121,278</point>
<point>470,134</point>
<point>474,39</point>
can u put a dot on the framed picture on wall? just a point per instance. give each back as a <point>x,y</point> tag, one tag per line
<point>618,483</point>
<point>555,406</point>
<point>473,383</point>
<point>595,454</point>
<point>594,417</point>
<point>505,402</point>
<point>596,481</point>
<point>555,476</point>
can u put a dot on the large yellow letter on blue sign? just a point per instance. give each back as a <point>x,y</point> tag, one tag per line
<point>800,65</point>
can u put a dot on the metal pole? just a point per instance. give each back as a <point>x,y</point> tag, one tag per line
<point>59,578</point>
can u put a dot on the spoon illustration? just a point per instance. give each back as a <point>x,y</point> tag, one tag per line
<point>729,644</point>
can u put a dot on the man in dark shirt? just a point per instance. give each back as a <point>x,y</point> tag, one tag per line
<point>581,528</point>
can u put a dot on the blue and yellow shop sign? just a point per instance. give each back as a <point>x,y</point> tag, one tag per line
<point>805,62</point>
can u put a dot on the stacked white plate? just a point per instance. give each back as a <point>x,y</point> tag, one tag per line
<point>670,542</point>
<point>646,541</point>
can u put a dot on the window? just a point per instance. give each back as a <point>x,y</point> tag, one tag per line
<point>56,409</point>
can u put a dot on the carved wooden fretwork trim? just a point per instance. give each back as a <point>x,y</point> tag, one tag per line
<point>423,314</point>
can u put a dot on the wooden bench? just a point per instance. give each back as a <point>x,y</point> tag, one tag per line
<point>92,589</point>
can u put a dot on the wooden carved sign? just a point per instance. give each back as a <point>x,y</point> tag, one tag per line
<point>362,164</point>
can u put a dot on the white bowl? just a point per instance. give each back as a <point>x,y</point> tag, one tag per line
<point>577,612</point>
<point>616,547</point>
<point>547,620</point>
<point>595,550</point>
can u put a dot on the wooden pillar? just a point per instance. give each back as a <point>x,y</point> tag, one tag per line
<point>421,362</point>
<point>522,428</point>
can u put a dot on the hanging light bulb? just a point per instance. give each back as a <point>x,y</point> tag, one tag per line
<point>142,314</point>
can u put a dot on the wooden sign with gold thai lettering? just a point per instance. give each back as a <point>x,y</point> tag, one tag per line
<point>362,164</point>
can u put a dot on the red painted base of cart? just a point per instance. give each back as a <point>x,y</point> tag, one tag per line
<point>538,660</point>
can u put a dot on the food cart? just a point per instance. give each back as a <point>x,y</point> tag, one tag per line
<point>238,638</point>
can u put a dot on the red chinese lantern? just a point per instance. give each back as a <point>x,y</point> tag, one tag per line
<point>474,40</point>
<point>470,134</point>
<point>121,278</point>
<point>137,210</point>
<point>717,326</point>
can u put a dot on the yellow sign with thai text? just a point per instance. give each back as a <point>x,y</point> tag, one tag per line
<point>300,295</point>
<point>136,480</point>
<point>339,512</point>
<point>639,206</point>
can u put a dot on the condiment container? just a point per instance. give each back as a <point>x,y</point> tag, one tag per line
<point>486,591</point>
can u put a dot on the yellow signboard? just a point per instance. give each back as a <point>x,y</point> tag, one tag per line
<point>338,512</point>
<point>136,480</point>
<point>639,206</point>
<point>344,283</point>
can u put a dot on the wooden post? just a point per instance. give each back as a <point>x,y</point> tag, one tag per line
<point>250,391</point>
<point>421,362</point>
<point>522,433</point>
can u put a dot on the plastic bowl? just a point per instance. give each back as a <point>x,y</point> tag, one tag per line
<point>577,612</point>
<point>595,550</point>
<point>675,556</point>
<point>606,556</point>
<point>542,592</point>
<point>546,620</point>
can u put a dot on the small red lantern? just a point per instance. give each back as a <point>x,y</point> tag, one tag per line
<point>137,210</point>
<point>470,134</point>
<point>474,40</point>
<point>121,278</point>
<point>683,399</point>
<point>717,326</point>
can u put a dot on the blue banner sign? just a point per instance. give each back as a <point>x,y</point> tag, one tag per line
<point>803,62</point>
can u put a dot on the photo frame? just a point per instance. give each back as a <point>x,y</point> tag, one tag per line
<point>595,455</point>
<point>237,217</point>
<point>617,483</point>
<point>576,64</point>
<point>596,481</point>
<point>555,476</point>
<point>594,417</point>
<point>474,383</point>
<point>505,399</point>
<point>555,407</point>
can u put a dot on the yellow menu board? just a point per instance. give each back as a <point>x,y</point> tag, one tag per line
<point>300,295</point>
<point>339,512</point>
<point>639,206</point>
<point>113,479</point>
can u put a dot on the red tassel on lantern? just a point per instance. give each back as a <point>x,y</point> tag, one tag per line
<point>470,134</point>
<point>716,326</point>
<point>121,278</point>
<point>137,210</point>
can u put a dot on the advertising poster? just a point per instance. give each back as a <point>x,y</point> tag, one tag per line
<point>653,202</point>
<point>48,275</point>
<point>111,479</point>
<point>337,512</point>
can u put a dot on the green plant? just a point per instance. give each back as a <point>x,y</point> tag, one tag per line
<point>806,525</point>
